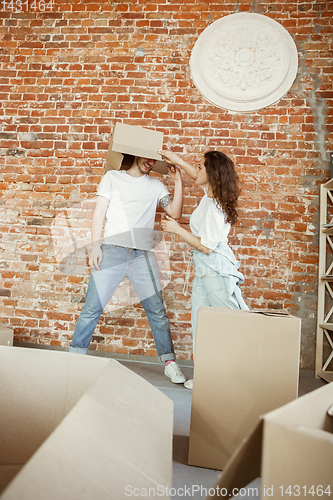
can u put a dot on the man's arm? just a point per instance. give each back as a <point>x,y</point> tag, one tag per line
<point>95,256</point>
<point>173,206</point>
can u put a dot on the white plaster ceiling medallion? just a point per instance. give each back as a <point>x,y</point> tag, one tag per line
<point>244,62</point>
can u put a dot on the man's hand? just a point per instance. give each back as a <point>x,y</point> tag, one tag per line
<point>95,257</point>
<point>169,225</point>
<point>174,172</point>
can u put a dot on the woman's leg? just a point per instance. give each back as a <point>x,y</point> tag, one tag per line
<point>199,299</point>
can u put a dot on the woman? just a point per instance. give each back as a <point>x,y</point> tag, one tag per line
<point>217,278</point>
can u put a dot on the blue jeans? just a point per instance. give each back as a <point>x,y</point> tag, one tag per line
<point>215,284</point>
<point>141,268</point>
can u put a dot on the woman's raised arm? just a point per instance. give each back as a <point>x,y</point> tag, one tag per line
<point>174,159</point>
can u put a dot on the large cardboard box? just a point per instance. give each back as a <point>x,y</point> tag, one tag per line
<point>246,364</point>
<point>291,448</point>
<point>79,427</point>
<point>128,141</point>
<point>6,335</point>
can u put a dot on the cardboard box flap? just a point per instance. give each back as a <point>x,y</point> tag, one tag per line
<point>269,312</point>
<point>117,161</point>
<point>263,312</point>
<point>118,436</point>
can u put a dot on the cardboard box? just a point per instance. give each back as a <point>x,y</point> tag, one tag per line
<point>79,427</point>
<point>291,448</point>
<point>246,364</point>
<point>6,335</point>
<point>128,141</point>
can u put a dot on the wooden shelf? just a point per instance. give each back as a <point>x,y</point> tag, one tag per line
<point>325,298</point>
<point>327,376</point>
<point>328,230</point>
<point>329,184</point>
<point>327,326</point>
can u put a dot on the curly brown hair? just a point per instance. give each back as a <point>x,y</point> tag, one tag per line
<point>224,181</point>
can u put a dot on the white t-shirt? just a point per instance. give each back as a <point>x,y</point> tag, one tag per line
<point>208,223</point>
<point>131,212</point>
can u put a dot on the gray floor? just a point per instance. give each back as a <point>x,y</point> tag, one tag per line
<point>183,474</point>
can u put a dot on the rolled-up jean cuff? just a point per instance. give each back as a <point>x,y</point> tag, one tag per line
<point>78,350</point>
<point>167,357</point>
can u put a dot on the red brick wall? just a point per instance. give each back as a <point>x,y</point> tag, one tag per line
<point>67,75</point>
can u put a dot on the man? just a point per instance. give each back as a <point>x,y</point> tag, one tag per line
<point>128,200</point>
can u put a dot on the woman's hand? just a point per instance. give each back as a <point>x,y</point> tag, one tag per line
<point>169,225</point>
<point>170,157</point>
<point>173,159</point>
<point>174,172</point>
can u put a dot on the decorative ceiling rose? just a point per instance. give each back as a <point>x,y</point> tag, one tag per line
<point>244,62</point>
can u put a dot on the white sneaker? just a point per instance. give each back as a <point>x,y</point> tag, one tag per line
<point>189,384</point>
<point>174,373</point>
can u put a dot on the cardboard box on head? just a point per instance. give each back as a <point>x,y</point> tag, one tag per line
<point>128,141</point>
